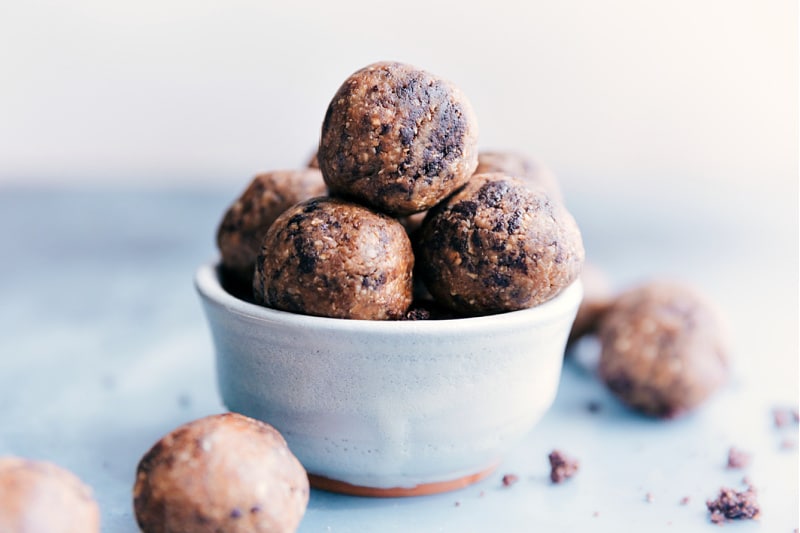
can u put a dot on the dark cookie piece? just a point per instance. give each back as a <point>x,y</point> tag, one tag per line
<point>784,416</point>
<point>36,497</point>
<point>397,138</point>
<point>497,245</point>
<point>738,459</point>
<point>246,221</point>
<point>528,169</point>
<point>427,309</point>
<point>561,466</point>
<point>734,505</point>
<point>663,349</point>
<point>224,472</point>
<point>510,479</point>
<point>330,257</point>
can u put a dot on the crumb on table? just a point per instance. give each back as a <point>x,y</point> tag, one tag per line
<point>738,459</point>
<point>562,467</point>
<point>734,505</point>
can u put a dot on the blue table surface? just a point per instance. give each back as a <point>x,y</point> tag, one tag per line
<point>104,349</point>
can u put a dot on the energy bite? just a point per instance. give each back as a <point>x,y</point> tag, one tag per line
<point>330,257</point>
<point>663,349</point>
<point>40,497</point>
<point>246,221</point>
<point>397,138</point>
<point>223,472</point>
<point>597,298</point>
<point>528,169</point>
<point>497,245</point>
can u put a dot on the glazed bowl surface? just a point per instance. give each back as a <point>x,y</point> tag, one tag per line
<point>389,408</point>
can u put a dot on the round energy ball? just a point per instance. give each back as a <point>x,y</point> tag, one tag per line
<point>247,220</point>
<point>497,245</point>
<point>330,257</point>
<point>663,349</point>
<point>224,472</point>
<point>397,138</point>
<point>597,298</point>
<point>40,497</point>
<point>528,169</point>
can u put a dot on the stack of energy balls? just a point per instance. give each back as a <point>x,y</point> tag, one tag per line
<point>348,240</point>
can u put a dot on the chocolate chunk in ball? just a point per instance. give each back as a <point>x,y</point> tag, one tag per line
<point>397,138</point>
<point>246,221</point>
<point>224,472</point>
<point>597,298</point>
<point>40,497</point>
<point>498,245</point>
<point>663,349</point>
<point>530,170</point>
<point>330,257</point>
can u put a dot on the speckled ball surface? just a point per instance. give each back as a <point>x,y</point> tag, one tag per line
<point>40,497</point>
<point>528,169</point>
<point>497,245</point>
<point>397,138</point>
<point>247,220</point>
<point>223,472</point>
<point>664,349</point>
<point>331,257</point>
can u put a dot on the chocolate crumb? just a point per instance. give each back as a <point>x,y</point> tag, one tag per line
<point>717,517</point>
<point>561,466</point>
<point>649,498</point>
<point>738,459</point>
<point>684,501</point>
<point>457,504</point>
<point>510,479</point>
<point>417,313</point>
<point>783,416</point>
<point>734,505</point>
<point>236,513</point>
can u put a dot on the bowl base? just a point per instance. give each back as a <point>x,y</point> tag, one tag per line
<point>342,487</point>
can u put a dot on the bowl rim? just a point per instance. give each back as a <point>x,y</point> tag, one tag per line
<point>207,284</point>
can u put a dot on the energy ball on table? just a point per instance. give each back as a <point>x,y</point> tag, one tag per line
<point>663,349</point>
<point>597,298</point>
<point>313,162</point>
<point>246,222</point>
<point>40,497</point>
<point>528,169</point>
<point>330,257</point>
<point>497,245</point>
<point>224,472</point>
<point>397,138</point>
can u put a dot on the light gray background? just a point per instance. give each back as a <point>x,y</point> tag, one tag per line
<point>701,93</point>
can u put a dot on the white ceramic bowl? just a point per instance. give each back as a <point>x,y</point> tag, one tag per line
<point>389,408</point>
